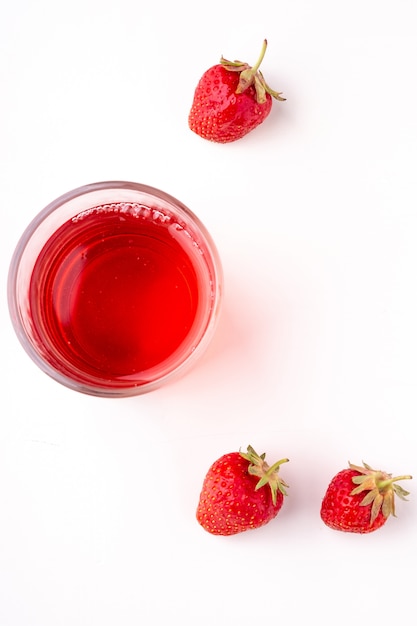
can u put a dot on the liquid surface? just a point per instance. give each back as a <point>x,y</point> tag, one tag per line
<point>114,293</point>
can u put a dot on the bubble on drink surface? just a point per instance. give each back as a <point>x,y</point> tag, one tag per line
<point>133,209</point>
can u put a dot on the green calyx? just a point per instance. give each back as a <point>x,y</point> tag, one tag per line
<point>267,475</point>
<point>381,490</point>
<point>252,76</point>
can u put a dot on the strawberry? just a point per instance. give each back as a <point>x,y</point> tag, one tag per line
<point>231,99</point>
<point>240,492</point>
<point>362,508</point>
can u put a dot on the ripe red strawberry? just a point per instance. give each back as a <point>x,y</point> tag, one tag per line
<point>231,99</point>
<point>240,492</point>
<point>364,508</point>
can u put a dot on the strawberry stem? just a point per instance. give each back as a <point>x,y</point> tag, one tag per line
<point>267,475</point>
<point>248,76</point>
<point>276,466</point>
<point>381,489</point>
<point>382,484</point>
<point>257,65</point>
<point>252,76</point>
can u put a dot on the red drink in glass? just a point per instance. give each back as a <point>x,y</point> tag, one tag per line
<point>114,298</point>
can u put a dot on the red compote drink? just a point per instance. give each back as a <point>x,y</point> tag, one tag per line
<point>114,293</point>
<point>121,294</point>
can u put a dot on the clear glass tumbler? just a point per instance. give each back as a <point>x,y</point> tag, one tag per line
<point>115,288</point>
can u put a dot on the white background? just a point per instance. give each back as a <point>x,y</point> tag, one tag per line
<point>315,218</point>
